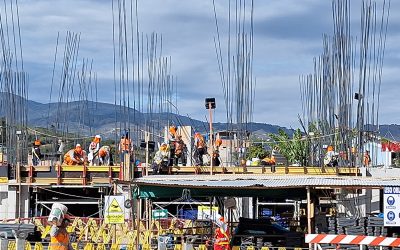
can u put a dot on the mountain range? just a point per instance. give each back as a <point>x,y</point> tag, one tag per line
<point>88,116</point>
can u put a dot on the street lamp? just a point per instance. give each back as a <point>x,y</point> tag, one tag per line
<point>210,105</point>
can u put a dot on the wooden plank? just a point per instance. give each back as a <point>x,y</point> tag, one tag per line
<point>100,180</point>
<point>53,181</point>
<point>79,168</point>
<point>36,168</point>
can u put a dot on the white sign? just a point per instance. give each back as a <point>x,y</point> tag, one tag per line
<point>114,209</point>
<point>391,206</point>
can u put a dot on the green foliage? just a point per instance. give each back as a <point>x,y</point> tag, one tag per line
<point>256,151</point>
<point>295,149</point>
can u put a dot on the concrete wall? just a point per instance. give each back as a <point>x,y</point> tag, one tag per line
<point>369,200</point>
<point>8,202</point>
<point>9,207</point>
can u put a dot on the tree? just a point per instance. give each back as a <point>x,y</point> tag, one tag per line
<point>295,149</point>
<point>256,151</point>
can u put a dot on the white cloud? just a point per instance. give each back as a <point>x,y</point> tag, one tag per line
<point>288,36</point>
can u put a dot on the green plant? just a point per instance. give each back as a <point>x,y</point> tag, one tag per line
<point>295,150</point>
<point>256,151</point>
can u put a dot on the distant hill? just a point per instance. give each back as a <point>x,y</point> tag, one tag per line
<point>86,115</point>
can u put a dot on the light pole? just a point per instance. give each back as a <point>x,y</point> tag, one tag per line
<point>210,105</point>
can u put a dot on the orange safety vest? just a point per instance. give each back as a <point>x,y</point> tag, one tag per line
<point>60,241</point>
<point>367,160</point>
<point>125,144</point>
<point>103,152</point>
<point>200,141</point>
<point>67,157</point>
<point>221,239</point>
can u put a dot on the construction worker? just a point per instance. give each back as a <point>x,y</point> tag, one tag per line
<point>94,148</point>
<point>366,159</point>
<point>331,157</point>
<point>215,159</point>
<point>59,236</point>
<point>161,159</point>
<point>172,138</point>
<point>104,155</point>
<point>76,156</point>
<point>172,132</point>
<point>218,141</point>
<point>125,146</point>
<point>36,155</point>
<point>222,236</point>
<point>200,148</point>
<point>179,151</point>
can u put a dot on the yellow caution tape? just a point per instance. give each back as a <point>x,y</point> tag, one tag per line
<point>38,246</point>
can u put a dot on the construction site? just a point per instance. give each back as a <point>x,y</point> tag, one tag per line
<point>140,175</point>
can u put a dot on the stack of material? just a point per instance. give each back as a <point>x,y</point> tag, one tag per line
<point>345,224</point>
<point>356,230</point>
<point>294,239</point>
<point>332,225</point>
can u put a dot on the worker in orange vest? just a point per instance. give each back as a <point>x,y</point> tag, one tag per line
<point>59,236</point>
<point>222,236</point>
<point>36,155</point>
<point>200,148</point>
<point>104,155</point>
<point>366,159</point>
<point>76,156</point>
<point>125,147</point>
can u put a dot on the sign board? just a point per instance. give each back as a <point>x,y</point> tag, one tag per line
<point>391,206</point>
<point>114,209</point>
<point>205,214</point>
<point>159,213</point>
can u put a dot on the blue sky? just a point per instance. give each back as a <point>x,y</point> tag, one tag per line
<point>287,35</point>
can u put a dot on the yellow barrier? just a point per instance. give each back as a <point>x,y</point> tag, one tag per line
<point>129,244</point>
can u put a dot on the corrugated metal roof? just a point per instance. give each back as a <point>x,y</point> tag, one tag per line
<point>266,181</point>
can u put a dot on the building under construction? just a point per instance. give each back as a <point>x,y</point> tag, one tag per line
<point>121,203</point>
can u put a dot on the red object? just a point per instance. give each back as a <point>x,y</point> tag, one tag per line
<point>391,146</point>
<point>353,240</point>
<point>30,174</point>
<point>221,240</point>
<point>58,174</point>
<point>109,174</point>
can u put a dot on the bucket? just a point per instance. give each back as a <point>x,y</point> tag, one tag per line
<point>57,213</point>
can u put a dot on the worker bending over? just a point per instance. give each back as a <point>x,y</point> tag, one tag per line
<point>76,156</point>
<point>331,157</point>
<point>161,159</point>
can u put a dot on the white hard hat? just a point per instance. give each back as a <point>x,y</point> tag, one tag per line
<point>98,136</point>
<point>78,145</point>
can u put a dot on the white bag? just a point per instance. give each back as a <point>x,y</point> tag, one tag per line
<point>57,213</point>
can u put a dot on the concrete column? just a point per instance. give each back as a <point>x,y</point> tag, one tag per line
<point>8,202</point>
<point>3,244</point>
